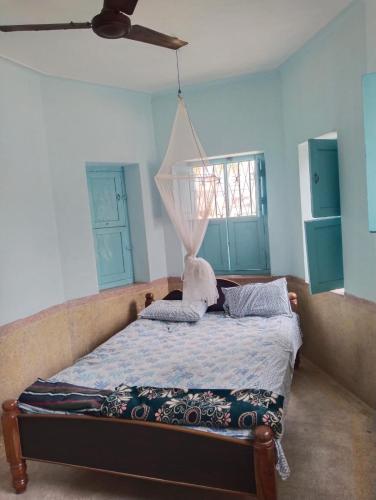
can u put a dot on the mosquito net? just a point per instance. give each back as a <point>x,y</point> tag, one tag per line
<point>187,189</point>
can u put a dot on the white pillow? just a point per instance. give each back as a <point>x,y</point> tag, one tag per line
<point>258,299</point>
<point>175,310</point>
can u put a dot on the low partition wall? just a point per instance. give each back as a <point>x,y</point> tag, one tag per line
<point>339,334</point>
<point>45,343</point>
<point>340,337</point>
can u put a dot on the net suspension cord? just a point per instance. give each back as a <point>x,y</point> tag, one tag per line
<point>180,96</point>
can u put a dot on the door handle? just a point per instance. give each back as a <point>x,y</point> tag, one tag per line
<point>316,178</point>
<point>118,197</point>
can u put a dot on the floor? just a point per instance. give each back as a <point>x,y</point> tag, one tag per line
<point>330,443</point>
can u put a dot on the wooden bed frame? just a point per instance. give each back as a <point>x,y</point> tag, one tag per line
<point>148,450</point>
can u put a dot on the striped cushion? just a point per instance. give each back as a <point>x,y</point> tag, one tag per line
<point>258,299</point>
<point>59,396</point>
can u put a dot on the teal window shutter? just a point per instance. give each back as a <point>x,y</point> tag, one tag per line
<point>324,253</point>
<point>323,164</point>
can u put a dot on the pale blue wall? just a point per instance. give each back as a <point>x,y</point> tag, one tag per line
<point>236,115</point>
<point>96,124</point>
<point>30,273</point>
<point>317,90</point>
<point>46,252</point>
<point>322,92</point>
<point>49,129</point>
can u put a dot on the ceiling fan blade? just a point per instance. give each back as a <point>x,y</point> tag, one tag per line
<point>45,27</point>
<point>146,35</point>
<point>126,6</point>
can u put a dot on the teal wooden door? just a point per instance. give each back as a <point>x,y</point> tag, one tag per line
<point>107,196</point>
<point>108,206</point>
<point>214,248</point>
<point>247,244</point>
<point>323,164</point>
<point>324,252</point>
<point>236,239</point>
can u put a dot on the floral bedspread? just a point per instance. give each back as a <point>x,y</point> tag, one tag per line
<point>216,352</point>
<point>212,408</point>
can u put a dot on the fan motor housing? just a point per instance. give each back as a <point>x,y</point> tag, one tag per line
<point>110,24</point>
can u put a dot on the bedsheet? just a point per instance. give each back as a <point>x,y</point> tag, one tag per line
<point>217,352</point>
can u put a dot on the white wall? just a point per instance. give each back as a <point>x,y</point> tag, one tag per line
<point>46,248</point>
<point>322,92</point>
<point>30,271</point>
<point>49,129</point>
<point>90,123</point>
<point>316,91</point>
<point>370,6</point>
<point>305,197</point>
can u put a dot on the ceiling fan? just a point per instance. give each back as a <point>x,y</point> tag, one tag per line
<point>111,22</point>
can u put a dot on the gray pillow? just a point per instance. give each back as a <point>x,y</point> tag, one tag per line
<point>258,299</point>
<point>174,310</point>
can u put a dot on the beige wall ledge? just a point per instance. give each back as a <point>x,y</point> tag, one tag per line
<point>339,333</point>
<point>45,343</point>
<point>340,337</point>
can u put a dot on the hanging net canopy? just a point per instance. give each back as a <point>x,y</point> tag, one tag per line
<point>187,189</point>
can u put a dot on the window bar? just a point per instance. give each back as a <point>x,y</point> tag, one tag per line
<point>250,187</point>
<point>226,188</point>
<point>215,193</point>
<point>254,187</point>
<point>261,186</point>
<point>204,186</point>
<point>240,212</point>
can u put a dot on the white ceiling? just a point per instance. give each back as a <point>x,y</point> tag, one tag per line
<point>226,38</point>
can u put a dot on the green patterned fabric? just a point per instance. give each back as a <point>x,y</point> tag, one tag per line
<point>215,408</point>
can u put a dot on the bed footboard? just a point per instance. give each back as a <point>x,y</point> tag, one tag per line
<point>159,452</point>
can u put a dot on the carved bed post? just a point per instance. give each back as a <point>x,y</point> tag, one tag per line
<point>293,301</point>
<point>149,298</point>
<point>265,459</point>
<point>13,445</point>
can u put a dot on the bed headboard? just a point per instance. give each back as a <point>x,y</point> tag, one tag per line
<point>221,283</point>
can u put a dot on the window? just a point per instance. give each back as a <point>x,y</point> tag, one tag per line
<point>237,239</point>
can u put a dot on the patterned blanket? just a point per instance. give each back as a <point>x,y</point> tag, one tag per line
<point>213,408</point>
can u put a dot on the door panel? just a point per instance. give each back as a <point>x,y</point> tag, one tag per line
<point>247,244</point>
<point>323,162</point>
<point>324,251</point>
<point>114,258</point>
<point>214,247</point>
<point>107,199</point>
<point>110,227</point>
